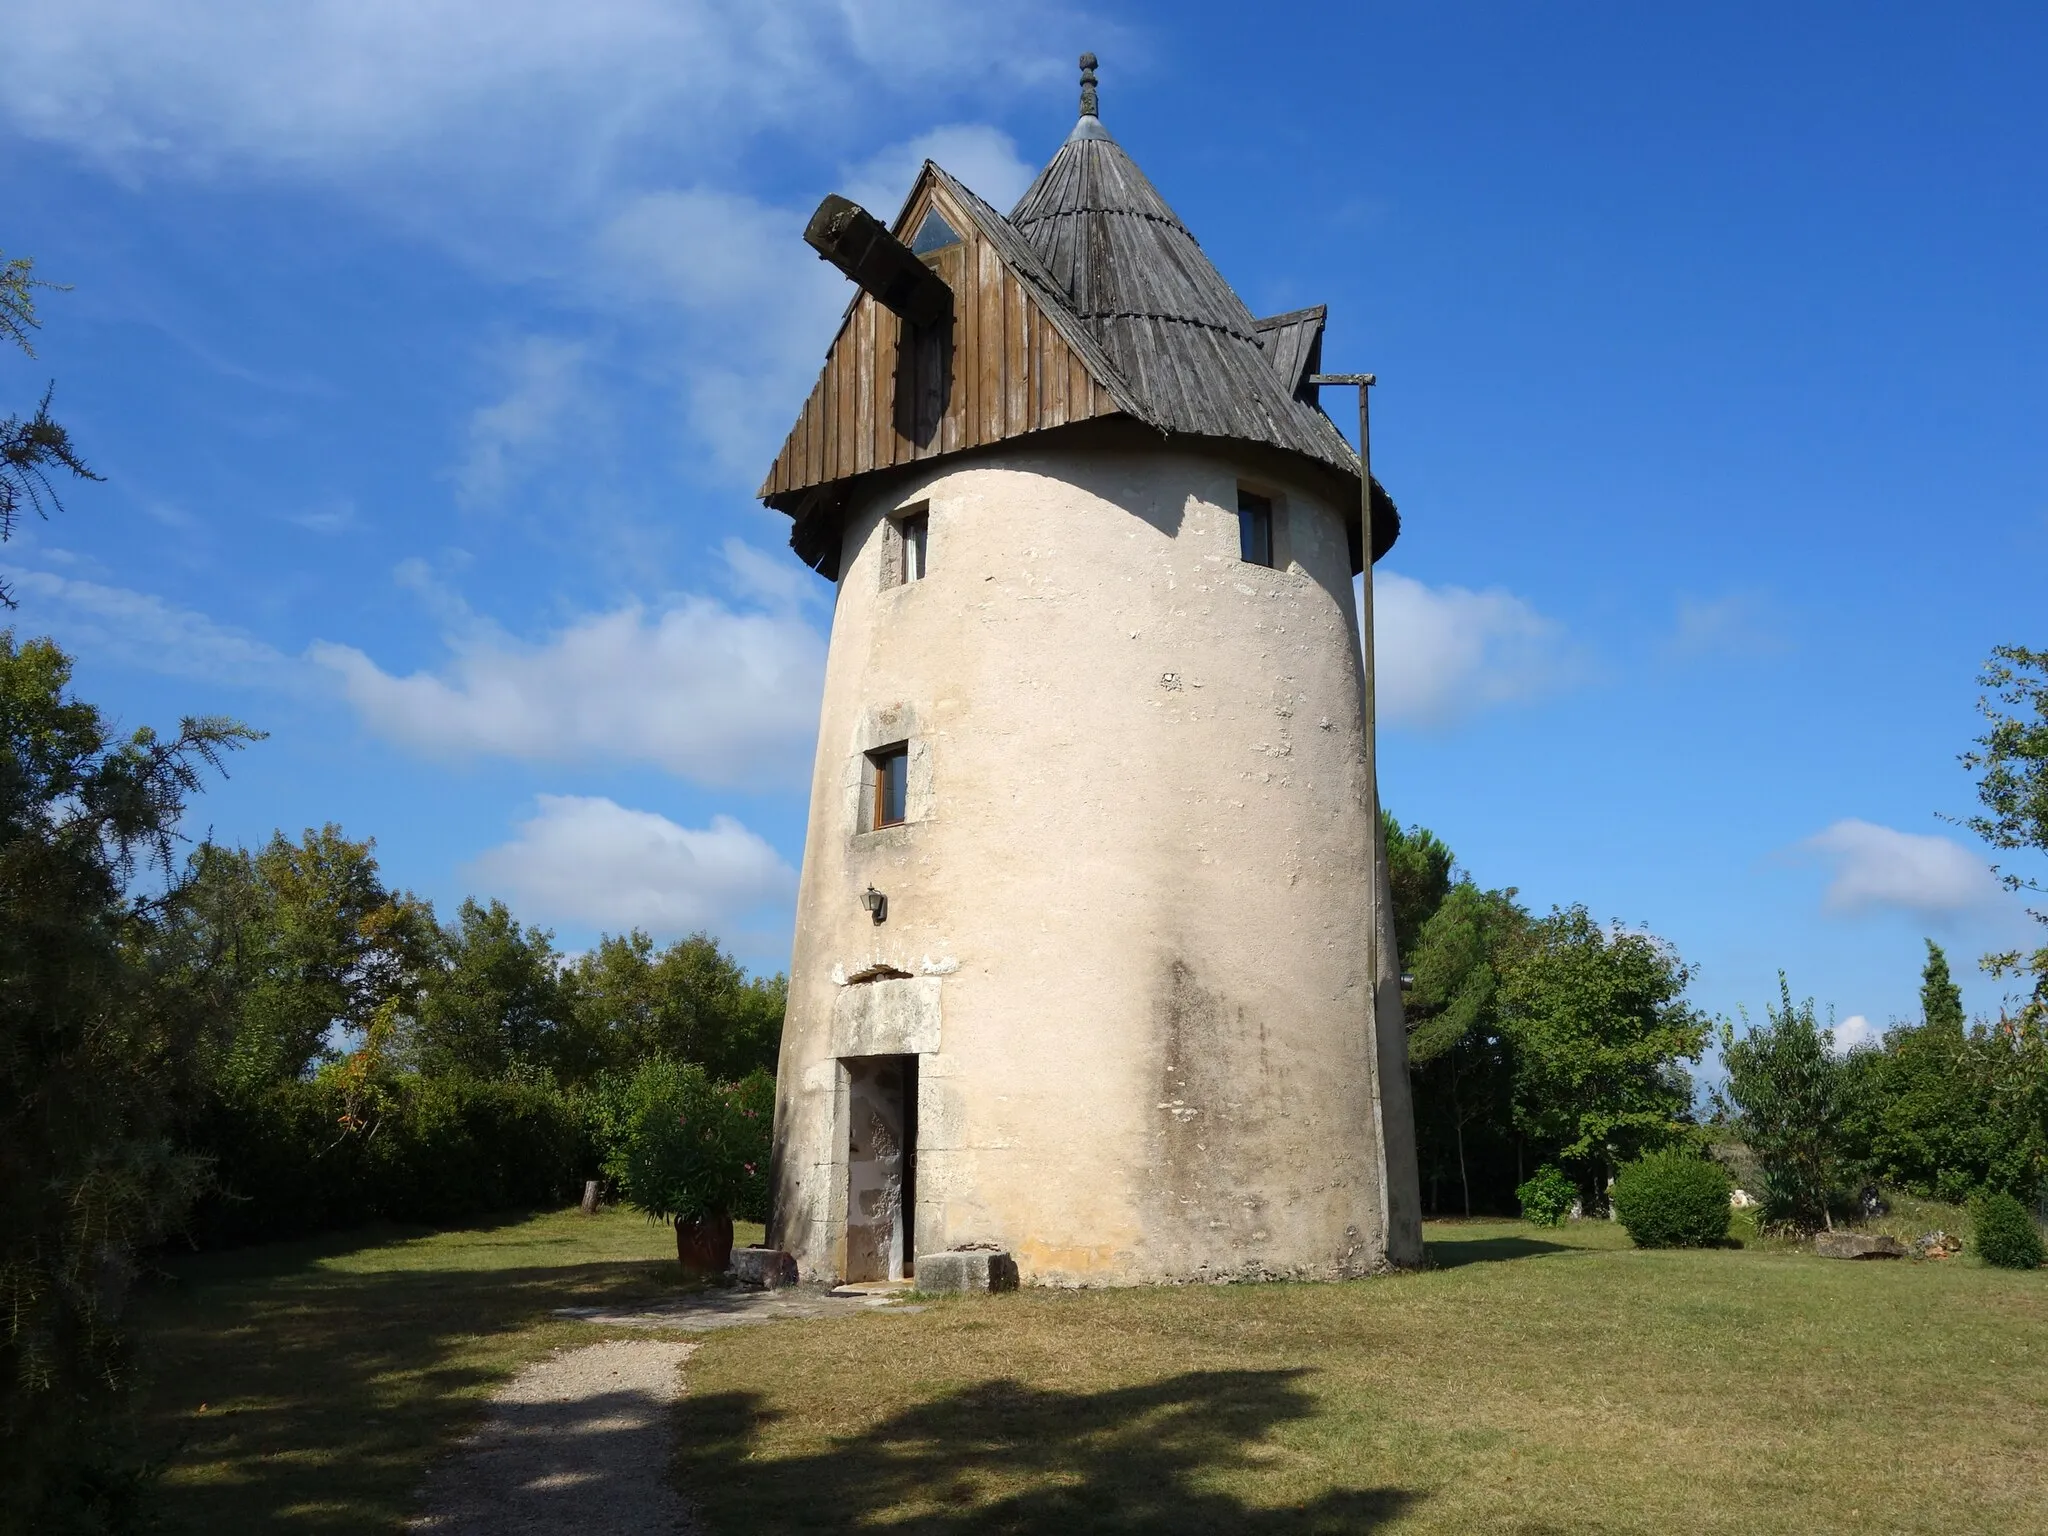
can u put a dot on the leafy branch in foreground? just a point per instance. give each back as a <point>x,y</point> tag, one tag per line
<point>2011,762</point>
<point>100,1053</point>
<point>32,447</point>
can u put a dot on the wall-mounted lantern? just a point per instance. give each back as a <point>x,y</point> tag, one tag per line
<point>876,903</point>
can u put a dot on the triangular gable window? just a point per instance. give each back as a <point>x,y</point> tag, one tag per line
<point>933,234</point>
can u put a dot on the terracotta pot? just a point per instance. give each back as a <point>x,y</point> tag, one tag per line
<point>704,1245</point>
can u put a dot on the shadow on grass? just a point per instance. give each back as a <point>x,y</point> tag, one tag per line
<point>325,1394</point>
<point>177,1261</point>
<point>1007,1457</point>
<point>1456,1252</point>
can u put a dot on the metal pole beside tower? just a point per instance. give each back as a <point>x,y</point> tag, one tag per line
<point>1363,383</point>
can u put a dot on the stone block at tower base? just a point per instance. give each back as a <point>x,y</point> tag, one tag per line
<point>973,1270</point>
<point>765,1268</point>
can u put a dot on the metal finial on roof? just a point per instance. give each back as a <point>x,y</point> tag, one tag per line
<point>1088,86</point>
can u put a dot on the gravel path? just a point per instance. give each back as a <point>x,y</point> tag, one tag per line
<point>579,1442</point>
<point>703,1311</point>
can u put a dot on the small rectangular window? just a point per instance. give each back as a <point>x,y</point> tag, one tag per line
<point>916,533</point>
<point>1255,528</point>
<point>892,782</point>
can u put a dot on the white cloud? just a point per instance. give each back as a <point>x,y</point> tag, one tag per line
<point>699,689</point>
<point>140,630</point>
<point>776,581</point>
<point>544,401</point>
<point>984,158</point>
<point>1448,652</point>
<point>1739,624</point>
<point>594,148</point>
<point>756,307</point>
<point>1854,1033</point>
<point>752,306</point>
<point>337,514</point>
<point>591,862</point>
<point>532,90</point>
<point>1879,867</point>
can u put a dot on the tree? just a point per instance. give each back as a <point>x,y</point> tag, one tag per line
<point>2011,761</point>
<point>101,1052</point>
<point>1789,1090</point>
<point>495,1002</point>
<point>1941,1000</point>
<point>689,1002</point>
<point>1418,876</point>
<point>1599,1025</point>
<point>31,448</point>
<point>307,946</point>
<point>1946,1110</point>
<point>1461,1060</point>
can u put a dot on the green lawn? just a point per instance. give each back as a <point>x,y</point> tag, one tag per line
<point>306,1386</point>
<point>1533,1381</point>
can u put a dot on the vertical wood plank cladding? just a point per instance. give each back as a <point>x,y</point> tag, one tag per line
<point>1034,368</point>
<point>953,267</point>
<point>800,442</point>
<point>1016,356</point>
<point>864,389</point>
<point>1010,372</point>
<point>834,387</point>
<point>1051,363</point>
<point>967,316</point>
<point>988,425</point>
<point>888,341</point>
<point>838,444</point>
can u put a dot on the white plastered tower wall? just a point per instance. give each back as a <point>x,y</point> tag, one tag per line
<point>1126,925</point>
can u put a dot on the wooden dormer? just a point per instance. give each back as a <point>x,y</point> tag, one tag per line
<point>1013,359</point>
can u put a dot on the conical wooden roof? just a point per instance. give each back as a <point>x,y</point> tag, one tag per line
<point>1182,339</point>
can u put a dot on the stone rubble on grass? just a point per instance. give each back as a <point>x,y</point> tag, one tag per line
<point>975,1271</point>
<point>1937,1245</point>
<point>1857,1245</point>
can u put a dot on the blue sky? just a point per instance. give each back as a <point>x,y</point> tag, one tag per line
<point>432,352</point>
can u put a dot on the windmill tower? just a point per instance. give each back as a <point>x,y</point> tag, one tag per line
<point>1081,962</point>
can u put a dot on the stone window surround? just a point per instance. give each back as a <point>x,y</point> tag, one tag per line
<point>888,726</point>
<point>890,568</point>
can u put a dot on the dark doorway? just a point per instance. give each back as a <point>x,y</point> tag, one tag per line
<point>881,1167</point>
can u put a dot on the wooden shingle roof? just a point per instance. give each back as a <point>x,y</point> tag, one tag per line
<point>1174,328</point>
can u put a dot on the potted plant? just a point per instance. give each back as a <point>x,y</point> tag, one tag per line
<point>694,1152</point>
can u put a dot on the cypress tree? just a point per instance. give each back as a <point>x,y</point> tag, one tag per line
<point>1941,1000</point>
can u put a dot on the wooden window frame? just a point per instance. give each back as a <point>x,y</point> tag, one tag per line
<point>884,761</point>
<point>913,544</point>
<point>1259,516</point>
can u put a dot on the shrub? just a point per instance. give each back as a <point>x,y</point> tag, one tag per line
<point>327,1153</point>
<point>1792,1091</point>
<point>2006,1234</point>
<point>693,1147</point>
<point>1547,1198</point>
<point>1673,1200</point>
